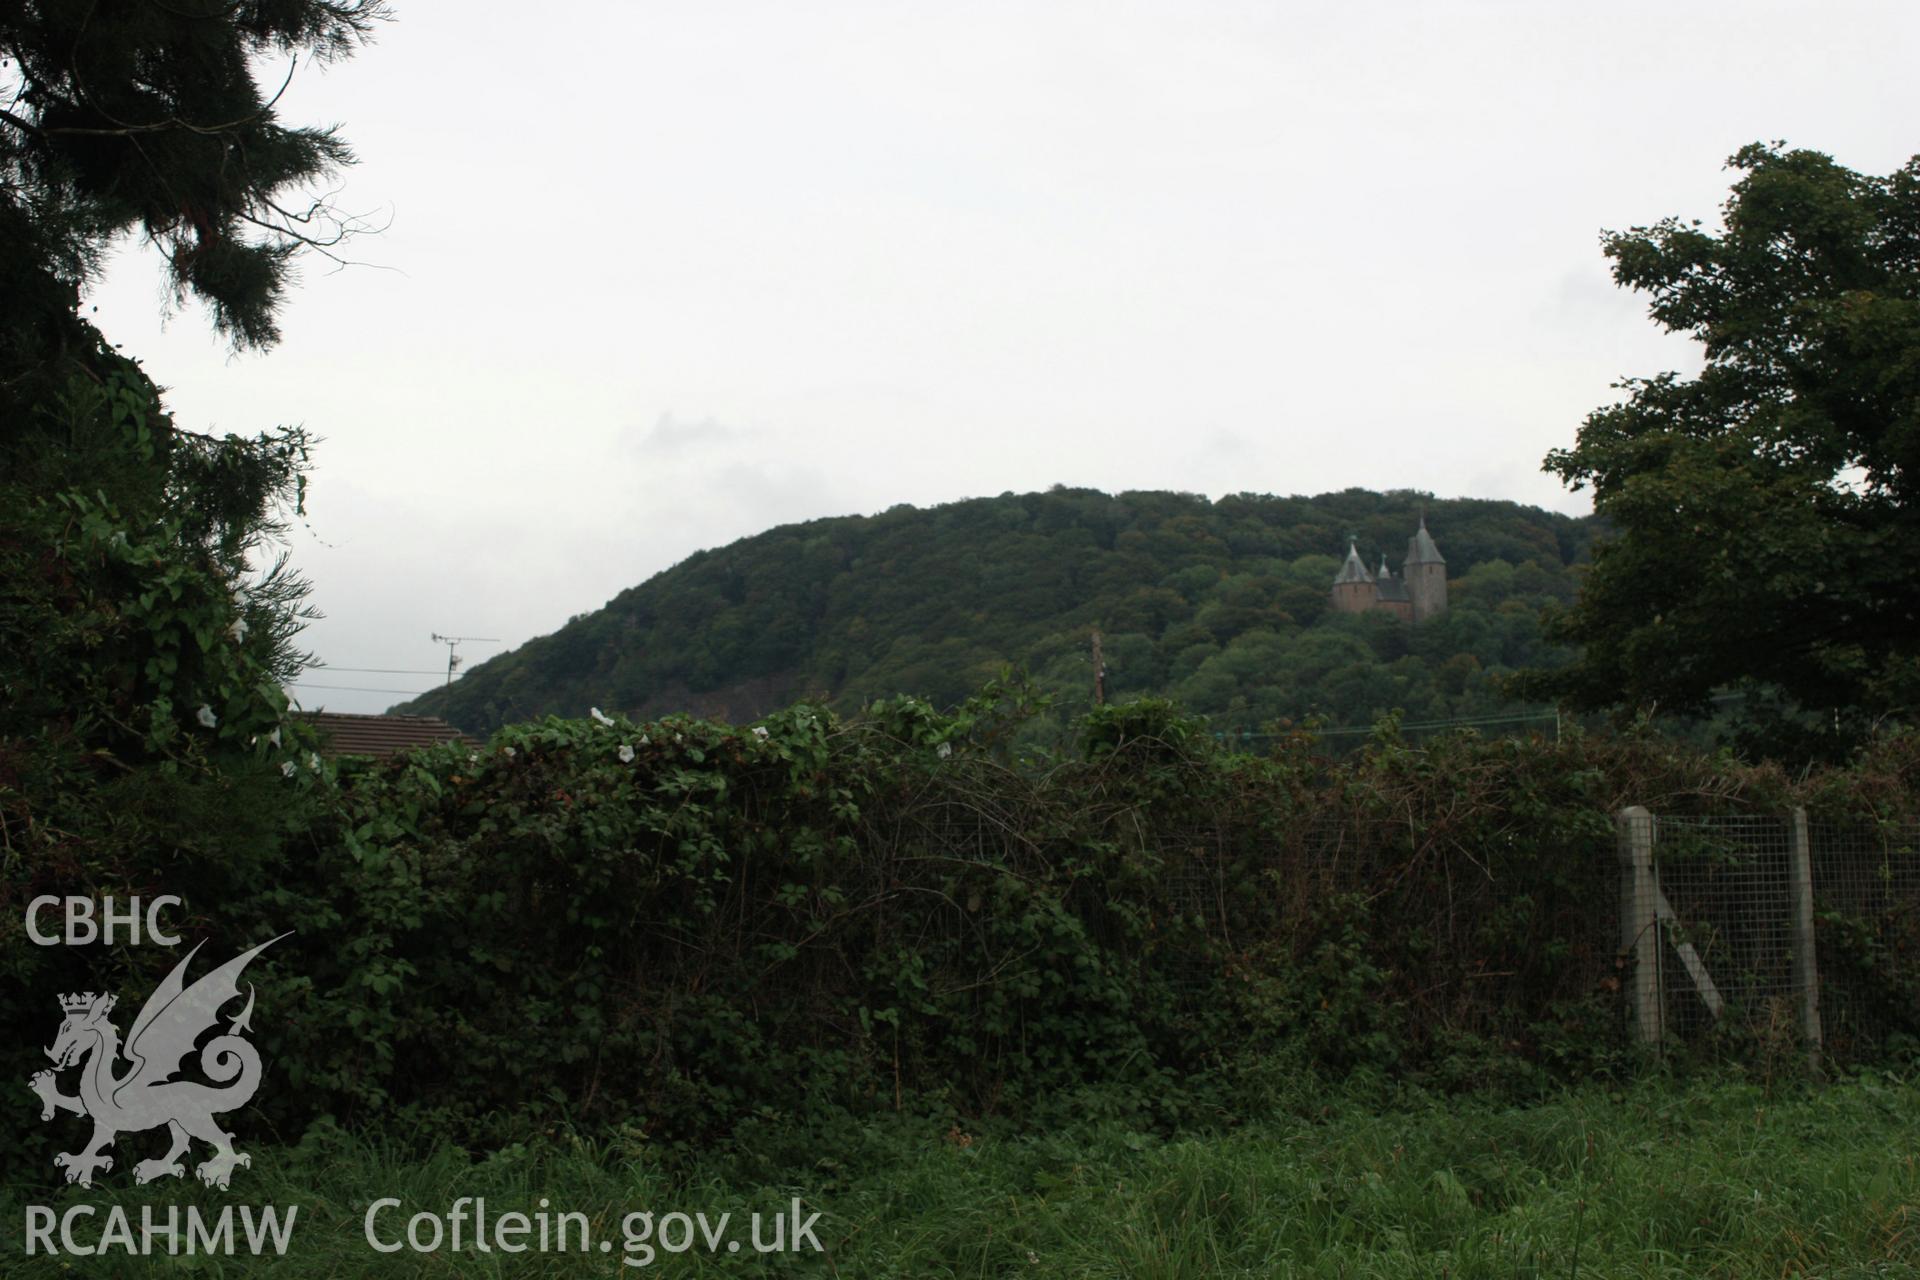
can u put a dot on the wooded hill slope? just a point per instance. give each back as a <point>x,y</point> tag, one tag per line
<point>1221,605</point>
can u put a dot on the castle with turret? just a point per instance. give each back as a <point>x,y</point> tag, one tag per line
<point>1419,593</point>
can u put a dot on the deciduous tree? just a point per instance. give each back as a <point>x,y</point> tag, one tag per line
<point>1763,512</point>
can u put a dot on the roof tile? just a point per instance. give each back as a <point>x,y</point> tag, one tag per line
<point>343,734</point>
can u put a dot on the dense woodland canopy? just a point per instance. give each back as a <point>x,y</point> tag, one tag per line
<point>1222,605</point>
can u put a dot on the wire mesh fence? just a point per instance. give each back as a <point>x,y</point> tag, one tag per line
<point>1773,931</point>
<point>1725,921</point>
<point>1498,924</point>
<point>1866,879</point>
<point>1477,921</point>
<point>1767,933</point>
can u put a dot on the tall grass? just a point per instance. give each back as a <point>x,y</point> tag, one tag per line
<point>1661,1180</point>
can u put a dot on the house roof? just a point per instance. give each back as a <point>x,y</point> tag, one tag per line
<point>344,734</point>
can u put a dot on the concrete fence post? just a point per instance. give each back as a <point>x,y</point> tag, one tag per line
<point>1639,921</point>
<point>1806,972</point>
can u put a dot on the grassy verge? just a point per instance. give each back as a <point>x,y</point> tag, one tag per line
<point>1722,1180</point>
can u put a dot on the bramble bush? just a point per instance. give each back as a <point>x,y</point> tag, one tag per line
<point>669,930</point>
<point>674,927</point>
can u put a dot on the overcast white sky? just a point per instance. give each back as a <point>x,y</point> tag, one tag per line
<point>662,275</point>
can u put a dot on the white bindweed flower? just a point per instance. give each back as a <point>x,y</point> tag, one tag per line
<point>238,630</point>
<point>313,761</point>
<point>600,715</point>
<point>509,752</point>
<point>676,737</point>
<point>759,731</point>
<point>205,716</point>
<point>286,769</point>
<point>625,753</point>
<point>644,741</point>
<point>274,737</point>
<point>944,750</point>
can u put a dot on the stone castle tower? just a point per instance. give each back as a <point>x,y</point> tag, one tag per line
<point>1419,593</point>
<point>1425,572</point>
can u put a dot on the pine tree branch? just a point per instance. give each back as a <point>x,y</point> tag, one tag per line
<point>123,129</point>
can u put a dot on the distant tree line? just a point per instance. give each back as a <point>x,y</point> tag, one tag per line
<point>1222,605</point>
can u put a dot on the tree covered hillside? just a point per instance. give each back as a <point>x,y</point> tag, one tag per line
<point>1222,605</point>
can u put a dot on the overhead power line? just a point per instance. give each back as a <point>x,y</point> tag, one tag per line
<point>354,688</point>
<point>1461,723</point>
<point>453,643</point>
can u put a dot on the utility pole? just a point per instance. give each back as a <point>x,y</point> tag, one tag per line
<point>1099,672</point>
<point>454,642</point>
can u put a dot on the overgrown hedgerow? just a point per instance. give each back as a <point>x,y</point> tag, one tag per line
<point>893,911</point>
<point>673,928</point>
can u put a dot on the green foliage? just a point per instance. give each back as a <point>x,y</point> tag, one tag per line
<point>1222,606</point>
<point>1875,964</point>
<point>676,929</point>
<point>1763,509</point>
<point>146,625</point>
<point>143,745</point>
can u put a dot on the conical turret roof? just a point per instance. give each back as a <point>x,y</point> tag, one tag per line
<point>1421,548</point>
<point>1353,570</point>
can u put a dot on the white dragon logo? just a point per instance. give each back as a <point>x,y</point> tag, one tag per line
<point>174,1017</point>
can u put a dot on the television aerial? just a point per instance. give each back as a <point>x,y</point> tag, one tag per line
<point>453,643</point>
